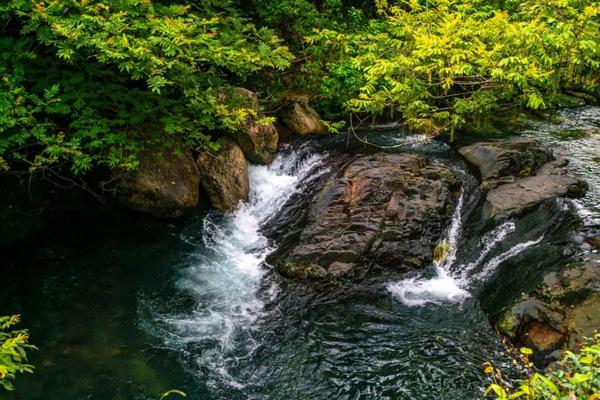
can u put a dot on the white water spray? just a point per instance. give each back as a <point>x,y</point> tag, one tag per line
<point>450,285</point>
<point>442,287</point>
<point>226,278</point>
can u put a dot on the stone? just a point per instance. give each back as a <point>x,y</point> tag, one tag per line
<point>302,119</point>
<point>513,198</point>
<point>517,158</point>
<point>166,184</point>
<point>387,209</point>
<point>561,312</point>
<point>519,174</point>
<point>224,174</point>
<point>258,141</point>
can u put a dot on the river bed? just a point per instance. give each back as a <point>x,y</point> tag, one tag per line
<point>195,305</point>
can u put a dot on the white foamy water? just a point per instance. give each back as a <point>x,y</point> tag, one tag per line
<point>493,264</point>
<point>451,284</point>
<point>489,241</point>
<point>418,291</point>
<point>226,278</point>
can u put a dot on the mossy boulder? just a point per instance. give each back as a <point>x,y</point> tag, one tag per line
<point>224,174</point>
<point>302,119</point>
<point>166,183</point>
<point>257,140</point>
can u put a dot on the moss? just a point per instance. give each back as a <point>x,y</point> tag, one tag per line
<point>302,270</point>
<point>440,252</point>
<point>508,325</point>
<point>570,134</point>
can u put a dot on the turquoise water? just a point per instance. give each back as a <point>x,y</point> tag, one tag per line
<point>122,310</point>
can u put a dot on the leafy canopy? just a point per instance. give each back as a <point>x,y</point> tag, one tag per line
<point>87,83</point>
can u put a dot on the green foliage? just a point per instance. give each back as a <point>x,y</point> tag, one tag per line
<point>459,60</point>
<point>577,377</point>
<point>88,84</point>
<point>13,346</point>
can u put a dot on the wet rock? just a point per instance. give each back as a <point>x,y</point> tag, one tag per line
<point>384,209</point>
<point>514,198</point>
<point>166,184</point>
<point>224,174</point>
<point>513,158</point>
<point>563,310</point>
<point>258,141</point>
<point>519,175</point>
<point>302,119</point>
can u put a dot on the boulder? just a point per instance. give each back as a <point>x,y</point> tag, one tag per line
<point>257,141</point>
<point>514,198</point>
<point>224,174</point>
<point>302,119</point>
<point>166,184</point>
<point>384,209</point>
<point>564,309</point>
<point>502,159</point>
<point>519,174</point>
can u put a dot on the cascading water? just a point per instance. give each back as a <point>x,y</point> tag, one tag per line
<point>451,283</point>
<point>442,287</point>
<point>192,305</point>
<point>226,278</point>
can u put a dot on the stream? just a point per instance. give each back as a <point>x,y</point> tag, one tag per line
<point>195,305</point>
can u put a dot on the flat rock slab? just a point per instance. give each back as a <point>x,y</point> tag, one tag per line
<point>519,174</point>
<point>384,209</point>
<point>514,198</point>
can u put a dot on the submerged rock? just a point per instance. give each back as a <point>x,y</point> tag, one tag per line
<point>224,174</point>
<point>302,119</point>
<point>166,184</point>
<point>384,209</point>
<point>518,175</point>
<point>562,311</point>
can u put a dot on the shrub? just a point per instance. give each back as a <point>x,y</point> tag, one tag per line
<point>577,377</point>
<point>13,356</point>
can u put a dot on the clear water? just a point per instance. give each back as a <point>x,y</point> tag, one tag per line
<point>125,314</point>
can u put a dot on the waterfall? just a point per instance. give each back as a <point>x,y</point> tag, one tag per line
<point>226,277</point>
<point>417,291</point>
<point>450,283</point>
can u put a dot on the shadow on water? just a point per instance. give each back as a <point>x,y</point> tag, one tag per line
<point>125,314</point>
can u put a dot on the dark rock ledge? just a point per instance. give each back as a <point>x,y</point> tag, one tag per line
<point>519,175</point>
<point>384,209</point>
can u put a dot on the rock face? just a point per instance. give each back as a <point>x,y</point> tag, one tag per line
<point>166,184</point>
<point>387,209</point>
<point>563,310</point>
<point>258,141</point>
<point>518,175</point>
<point>514,198</point>
<point>503,161</point>
<point>302,119</point>
<point>224,175</point>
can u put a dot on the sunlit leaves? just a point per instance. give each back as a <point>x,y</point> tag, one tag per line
<point>469,60</point>
<point>13,347</point>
